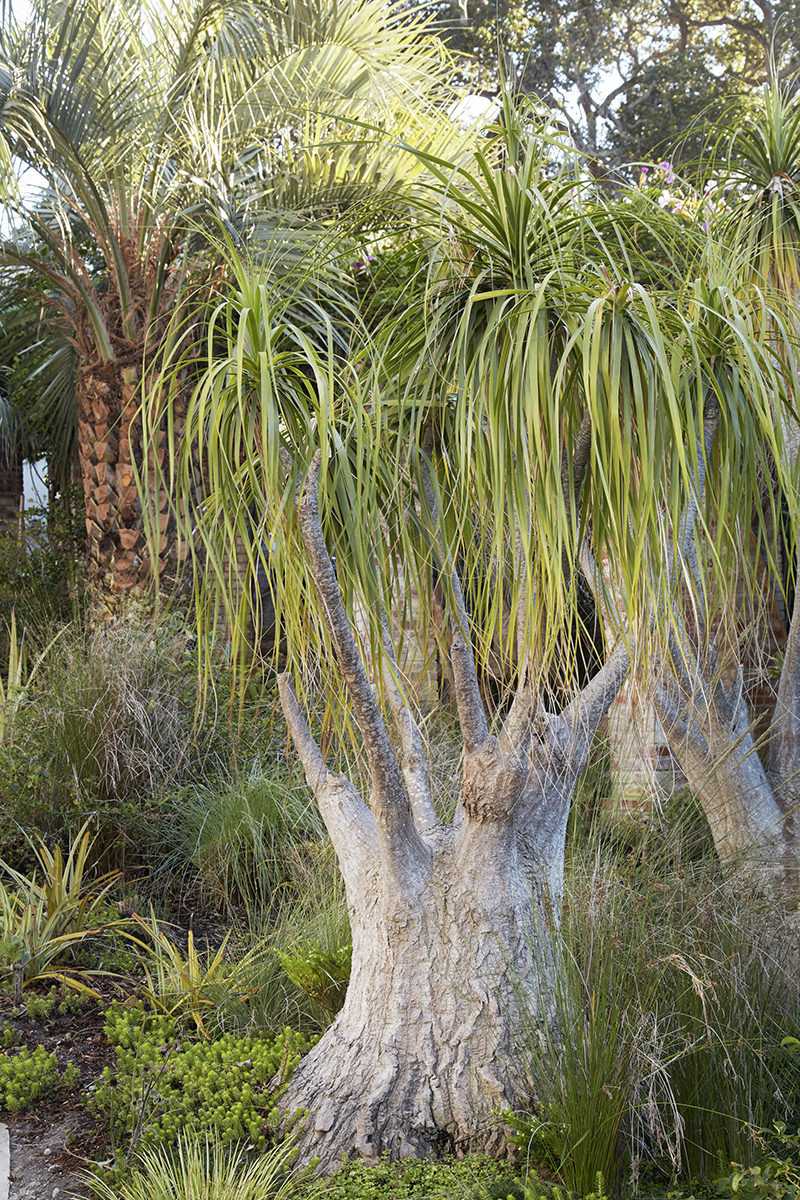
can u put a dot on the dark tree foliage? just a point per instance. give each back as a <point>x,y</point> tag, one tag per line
<point>631,81</point>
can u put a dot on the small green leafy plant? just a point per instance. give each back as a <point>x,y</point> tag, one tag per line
<point>777,1176</point>
<point>166,1086</point>
<point>322,973</point>
<point>476,1177</point>
<point>40,1008</point>
<point>26,1078</point>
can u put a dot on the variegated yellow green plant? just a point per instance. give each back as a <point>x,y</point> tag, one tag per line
<point>178,984</point>
<point>69,898</point>
<point>43,919</point>
<point>12,690</point>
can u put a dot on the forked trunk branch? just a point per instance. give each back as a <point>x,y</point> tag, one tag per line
<point>471,714</point>
<point>348,820</point>
<point>401,845</point>
<point>413,763</point>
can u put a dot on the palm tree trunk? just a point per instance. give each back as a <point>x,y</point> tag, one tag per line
<point>111,459</point>
<point>452,922</point>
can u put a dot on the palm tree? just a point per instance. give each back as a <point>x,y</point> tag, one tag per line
<point>699,695</point>
<point>141,119</point>
<point>541,421</point>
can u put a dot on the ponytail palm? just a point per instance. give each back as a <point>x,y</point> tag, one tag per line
<point>535,423</point>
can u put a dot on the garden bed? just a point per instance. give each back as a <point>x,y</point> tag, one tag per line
<point>53,1144</point>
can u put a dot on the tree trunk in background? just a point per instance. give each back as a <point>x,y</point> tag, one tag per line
<point>110,447</point>
<point>452,923</point>
<point>784,750</point>
<point>710,734</point>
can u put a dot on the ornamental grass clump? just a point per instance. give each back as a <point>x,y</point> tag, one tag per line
<point>672,990</point>
<point>297,967</point>
<point>118,707</point>
<point>197,1169</point>
<point>238,836</point>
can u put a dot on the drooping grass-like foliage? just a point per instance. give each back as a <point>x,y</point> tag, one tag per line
<point>205,1170</point>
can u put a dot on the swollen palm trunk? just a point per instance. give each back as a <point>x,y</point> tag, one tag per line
<point>451,921</point>
<point>424,1053</point>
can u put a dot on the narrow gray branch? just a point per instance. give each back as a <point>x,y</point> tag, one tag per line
<point>304,743</point>
<point>471,715</point>
<point>677,720</point>
<point>346,816</point>
<point>686,535</point>
<point>515,733</point>
<point>401,844</point>
<point>414,763</point>
<point>588,708</point>
<point>571,487</point>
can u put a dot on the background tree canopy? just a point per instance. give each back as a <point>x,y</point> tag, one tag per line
<point>628,80</point>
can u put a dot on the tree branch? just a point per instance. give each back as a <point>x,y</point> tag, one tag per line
<point>471,715</point>
<point>575,477</point>
<point>346,816</point>
<point>414,763</point>
<point>588,708</point>
<point>401,845</point>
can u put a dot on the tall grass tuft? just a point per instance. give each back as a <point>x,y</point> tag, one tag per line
<point>118,713</point>
<point>240,836</point>
<point>312,914</point>
<point>672,989</point>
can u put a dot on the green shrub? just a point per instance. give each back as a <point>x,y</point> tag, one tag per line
<point>166,1086</point>
<point>447,1179</point>
<point>323,974</point>
<point>26,1078</point>
<point>776,1176</point>
<point>42,570</point>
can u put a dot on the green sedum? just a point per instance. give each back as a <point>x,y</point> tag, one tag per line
<point>166,1084</point>
<point>27,1078</point>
